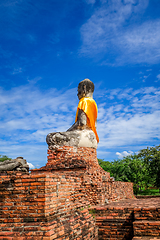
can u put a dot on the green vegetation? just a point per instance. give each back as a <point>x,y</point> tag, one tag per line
<point>143,169</point>
<point>148,192</point>
<point>3,158</point>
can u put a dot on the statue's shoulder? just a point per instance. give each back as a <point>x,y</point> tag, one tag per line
<point>92,102</point>
<point>87,100</point>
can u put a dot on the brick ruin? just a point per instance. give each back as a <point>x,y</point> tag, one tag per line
<point>136,219</point>
<point>56,201</point>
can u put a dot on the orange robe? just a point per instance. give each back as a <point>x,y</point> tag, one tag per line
<point>89,106</point>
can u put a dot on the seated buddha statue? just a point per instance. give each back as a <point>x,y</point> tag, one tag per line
<point>86,116</point>
<point>83,132</point>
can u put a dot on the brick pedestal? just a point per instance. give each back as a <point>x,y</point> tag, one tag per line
<point>74,158</point>
<point>53,202</point>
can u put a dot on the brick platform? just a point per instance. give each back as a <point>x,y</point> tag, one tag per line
<point>52,202</point>
<point>95,182</point>
<point>138,218</point>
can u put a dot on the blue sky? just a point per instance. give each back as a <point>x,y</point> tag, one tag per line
<point>48,47</point>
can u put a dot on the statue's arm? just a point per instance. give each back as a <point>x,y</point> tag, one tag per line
<point>81,122</point>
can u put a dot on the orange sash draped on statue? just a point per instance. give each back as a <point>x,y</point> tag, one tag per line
<point>89,106</point>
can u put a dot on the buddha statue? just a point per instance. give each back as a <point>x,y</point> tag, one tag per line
<point>83,132</point>
<point>86,116</point>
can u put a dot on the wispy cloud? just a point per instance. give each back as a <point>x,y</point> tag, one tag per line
<point>116,34</point>
<point>136,120</point>
<point>158,78</point>
<point>25,103</point>
<point>127,118</point>
<point>141,43</point>
<point>90,1</point>
<point>17,70</point>
<point>29,114</point>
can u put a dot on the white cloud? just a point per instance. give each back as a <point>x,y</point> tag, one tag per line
<point>131,123</point>
<point>124,154</point>
<point>107,37</point>
<point>127,118</point>
<point>141,43</point>
<point>21,105</point>
<point>105,22</point>
<point>27,115</point>
<point>31,166</point>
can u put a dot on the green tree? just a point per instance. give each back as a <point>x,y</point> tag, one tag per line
<point>128,169</point>
<point>143,169</point>
<point>151,157</point>
<point>3,158</point>
<point>106,165</point>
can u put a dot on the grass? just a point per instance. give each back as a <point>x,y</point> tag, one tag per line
<point>148,192</point>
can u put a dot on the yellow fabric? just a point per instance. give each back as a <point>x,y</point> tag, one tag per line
<point>89,106</point>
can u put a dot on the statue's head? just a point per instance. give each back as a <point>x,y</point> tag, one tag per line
<point>85,88</point>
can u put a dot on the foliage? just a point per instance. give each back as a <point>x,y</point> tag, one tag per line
<point>143,169</point>
<point>148,192</point>
<point>151,157</point>
<point>128,169</point>
<point>3,158</point>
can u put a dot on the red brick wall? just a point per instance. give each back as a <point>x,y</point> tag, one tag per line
<point>52,202</point>
<point>127,218</point>
<point>113,223</point>
<point>95,182</point>
<point>43,206</point>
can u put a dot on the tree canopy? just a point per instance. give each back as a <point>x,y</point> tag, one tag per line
<point>143,168</point>
<point>3,158</point>
<point>151,158</point>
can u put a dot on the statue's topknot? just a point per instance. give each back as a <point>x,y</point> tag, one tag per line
<point>88,83</point>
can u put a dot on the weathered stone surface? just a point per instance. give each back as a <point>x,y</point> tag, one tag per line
<point>77,138</point>
<point>18,164</point>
